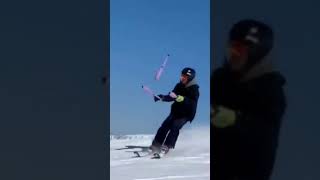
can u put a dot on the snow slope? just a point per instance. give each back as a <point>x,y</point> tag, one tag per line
<point>190,159</point>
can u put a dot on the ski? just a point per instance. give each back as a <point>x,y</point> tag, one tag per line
<point>142,153</point>
<point>157,155</point>
<point>143,148</point>
<point>154,155</point>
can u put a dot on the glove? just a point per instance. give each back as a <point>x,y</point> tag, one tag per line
<point>157,99</point>
<point>179,98</point>
<point>223,117</point>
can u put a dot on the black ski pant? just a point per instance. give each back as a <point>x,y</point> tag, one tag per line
<point>241,157</point>
<point>168,132</point>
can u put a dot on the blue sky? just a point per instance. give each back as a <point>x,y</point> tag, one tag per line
<point>142,33</point>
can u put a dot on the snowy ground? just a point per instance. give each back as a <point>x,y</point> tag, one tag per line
<point>190,159</point>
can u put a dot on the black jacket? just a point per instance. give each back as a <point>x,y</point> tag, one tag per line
<point>249,145</point>
<point>188,107</point>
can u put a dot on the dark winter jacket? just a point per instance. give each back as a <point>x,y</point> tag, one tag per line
<point>188,107</point>
<point>250,145</point>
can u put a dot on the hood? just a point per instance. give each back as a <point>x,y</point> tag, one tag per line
<point>264,70</point>
<point>263,67</point>
<point>192,82</point>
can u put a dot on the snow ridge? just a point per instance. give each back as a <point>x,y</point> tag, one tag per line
<point>131,137</point>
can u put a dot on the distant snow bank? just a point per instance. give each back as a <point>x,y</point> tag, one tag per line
<point>128,137</point>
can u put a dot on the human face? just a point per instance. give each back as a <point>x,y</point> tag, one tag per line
<point>237,55</point>
<point>184,79</point>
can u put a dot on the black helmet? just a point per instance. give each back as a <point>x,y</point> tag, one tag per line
<point>257,35</point>
<point>191,73</point>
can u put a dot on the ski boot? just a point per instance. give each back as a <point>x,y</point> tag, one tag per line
<point>165,149</point>
<point>155,147</point>
<point>161,152</point>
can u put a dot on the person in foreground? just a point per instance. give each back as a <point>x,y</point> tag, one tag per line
<point>183,109</point>
<point>247,106</point>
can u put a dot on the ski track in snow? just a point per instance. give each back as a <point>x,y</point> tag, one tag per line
<point>189,160</point>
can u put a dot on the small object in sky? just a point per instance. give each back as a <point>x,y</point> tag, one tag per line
<point>160,71</point>
<point>149,91</point>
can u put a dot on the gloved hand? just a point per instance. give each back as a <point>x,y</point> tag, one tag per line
<point>157,99</point>
<point>177,98</point>
<point>223,117</point>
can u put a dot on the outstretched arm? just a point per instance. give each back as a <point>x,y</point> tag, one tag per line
<point>168,97</point>
<point>165,98</point>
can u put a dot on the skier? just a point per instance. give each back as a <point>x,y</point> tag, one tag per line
<point>185,96</point>
<point>248,103</point>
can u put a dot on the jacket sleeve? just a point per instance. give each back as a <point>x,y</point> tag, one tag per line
<point>168,98</point>
<point>193,97</point>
